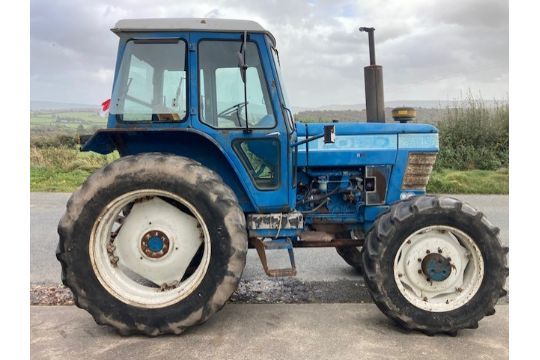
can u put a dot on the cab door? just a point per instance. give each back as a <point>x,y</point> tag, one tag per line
<point>246,121</point>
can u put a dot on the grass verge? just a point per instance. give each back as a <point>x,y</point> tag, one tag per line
<point>63,169</point>
<point>43,179</point>
<point>469,182</point>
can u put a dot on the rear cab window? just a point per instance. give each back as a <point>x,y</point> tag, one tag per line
<point>151,85</point>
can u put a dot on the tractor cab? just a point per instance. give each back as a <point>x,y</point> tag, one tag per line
<point>208,89</point>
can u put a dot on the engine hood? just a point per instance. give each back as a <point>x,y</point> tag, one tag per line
<point>363,143</point>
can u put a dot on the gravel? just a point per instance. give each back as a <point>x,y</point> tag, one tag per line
<point>265,291</point>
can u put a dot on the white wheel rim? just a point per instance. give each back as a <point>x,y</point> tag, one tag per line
<point>463,280</point>
<point>143,264</point>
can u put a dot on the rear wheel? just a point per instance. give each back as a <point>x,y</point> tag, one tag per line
<point>434,264</point>
<point>152,244</point>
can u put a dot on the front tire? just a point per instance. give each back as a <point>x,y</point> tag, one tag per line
<point>352,256</point>
<point>434,264</point>
<point>152,244</point>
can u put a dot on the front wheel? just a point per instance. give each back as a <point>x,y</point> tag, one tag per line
<point>352,256</point>
<point>152,244</point>
<point>434,264</point>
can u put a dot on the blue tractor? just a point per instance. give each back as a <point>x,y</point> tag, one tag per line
<point>212,162</point>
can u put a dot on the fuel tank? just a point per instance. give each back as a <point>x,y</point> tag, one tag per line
<point>360,144</point>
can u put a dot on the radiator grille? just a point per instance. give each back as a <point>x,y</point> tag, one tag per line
<point>419,167</point>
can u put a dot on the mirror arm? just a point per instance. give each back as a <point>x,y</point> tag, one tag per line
<point>309,139</point>
<point>329,136</point>
<point>244,68</point>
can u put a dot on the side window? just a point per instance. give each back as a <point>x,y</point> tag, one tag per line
<point>152,82</point>
<point>139,91</point>
<point>261,159</point>
<point>222,89</point>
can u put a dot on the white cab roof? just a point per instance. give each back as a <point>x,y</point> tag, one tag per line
<point>188,24</point>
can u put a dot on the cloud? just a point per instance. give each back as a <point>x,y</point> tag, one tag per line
<point>429,49</point>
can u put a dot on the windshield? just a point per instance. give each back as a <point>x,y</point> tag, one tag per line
<point>151,84</point>
<point>286,103</point>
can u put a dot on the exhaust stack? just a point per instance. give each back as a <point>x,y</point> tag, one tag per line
<point>373,80</point>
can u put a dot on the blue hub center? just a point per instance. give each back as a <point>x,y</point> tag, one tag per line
<point>436,267</point>
<point>155,244</point>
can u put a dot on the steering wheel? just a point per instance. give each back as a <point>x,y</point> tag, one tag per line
<point>233,110</point>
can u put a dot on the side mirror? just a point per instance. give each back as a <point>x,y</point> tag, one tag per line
<point>242,65</point>
<point>329,134</point>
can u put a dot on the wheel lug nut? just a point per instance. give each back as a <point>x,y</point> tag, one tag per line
<point>427,251</point>
<point>425,298</point>
<point>419,260</point>
<point>419,271</point>
<point>440,251</point>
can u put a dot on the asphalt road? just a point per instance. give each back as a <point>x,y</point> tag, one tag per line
<point>318,269</point>
<point>284,331</point>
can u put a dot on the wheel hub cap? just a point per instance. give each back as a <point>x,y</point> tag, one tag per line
<point>168,241</point>
<point>436,267</point>
<point>155,244</point>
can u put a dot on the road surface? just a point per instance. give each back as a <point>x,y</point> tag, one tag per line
<point>270,331</point>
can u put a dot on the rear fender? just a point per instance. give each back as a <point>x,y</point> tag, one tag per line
<point>184,142</point>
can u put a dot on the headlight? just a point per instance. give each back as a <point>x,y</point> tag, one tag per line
<point>419,167</point>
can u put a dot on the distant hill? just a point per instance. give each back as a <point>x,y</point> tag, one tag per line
<point>423,115</point>
<point>429,104</point>
<point>39,105</point>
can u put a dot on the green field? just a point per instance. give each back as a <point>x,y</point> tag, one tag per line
<point>68,118</point>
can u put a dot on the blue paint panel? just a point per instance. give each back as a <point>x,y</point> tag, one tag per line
<point>353,128</point>
<point>354,143</point>
<point>362,143</point>
<point>423,142</point>
<point>346,158</point>
<point>349,150</point>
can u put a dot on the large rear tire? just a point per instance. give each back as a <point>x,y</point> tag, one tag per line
<point>152,244</point>
<point>434,264</point>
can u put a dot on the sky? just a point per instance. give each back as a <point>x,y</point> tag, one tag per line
<point>430,50</point>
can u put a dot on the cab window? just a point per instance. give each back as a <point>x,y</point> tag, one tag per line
<point>222,102</point>
<point>261,160</point>
<point>151,85</point>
